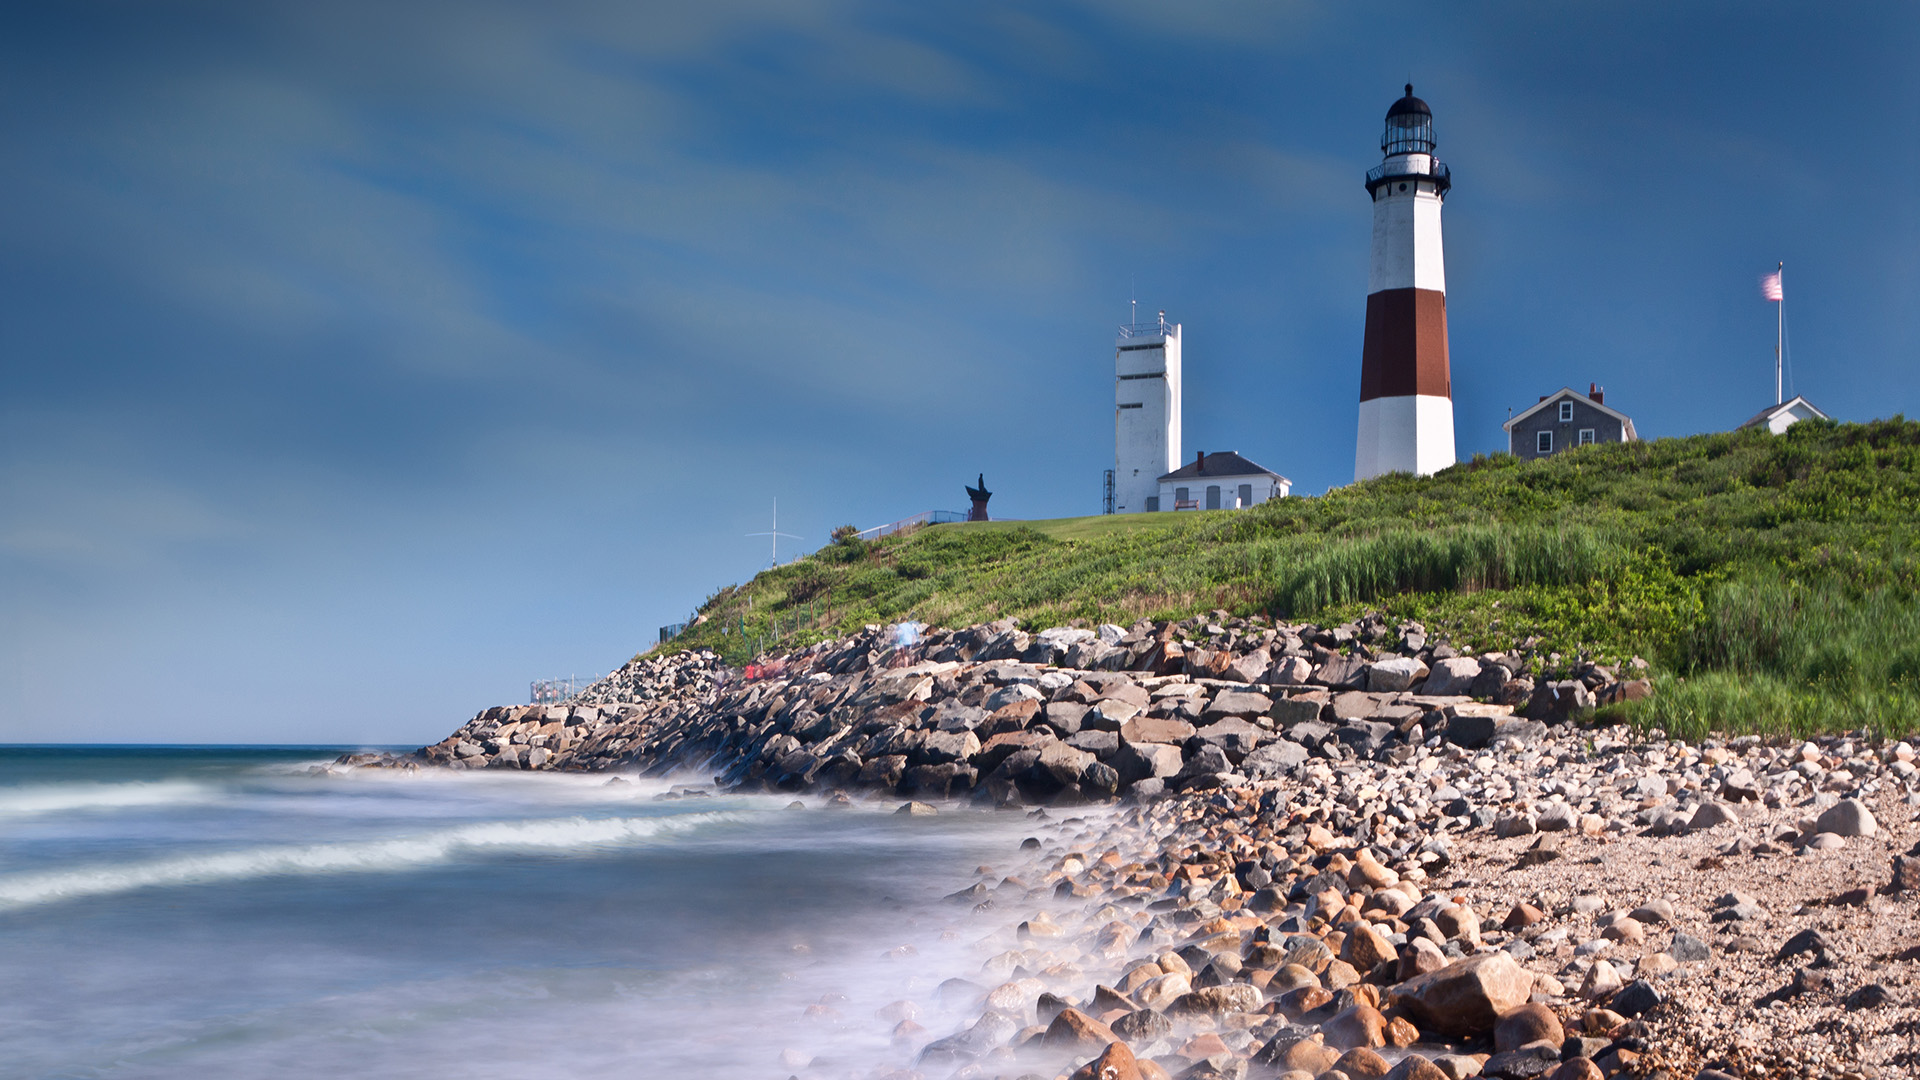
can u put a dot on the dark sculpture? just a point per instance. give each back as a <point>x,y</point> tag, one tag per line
<point>980,495</point>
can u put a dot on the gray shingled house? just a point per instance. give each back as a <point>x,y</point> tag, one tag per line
<point>1564,420</point>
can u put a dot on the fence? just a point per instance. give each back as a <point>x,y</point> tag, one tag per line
<point>555,691</point>
<point>924,517</point>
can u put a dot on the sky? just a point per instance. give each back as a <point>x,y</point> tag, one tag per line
<point>365,361</point>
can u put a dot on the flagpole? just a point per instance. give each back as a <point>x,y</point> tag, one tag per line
<point>1779,332</point>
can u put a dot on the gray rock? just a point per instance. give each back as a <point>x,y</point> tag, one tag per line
<point>1237,703</point>
<point>1011,693</point>
<point>1711,815</point>
<point>1452,677</point>
<point>1848,817</point>
<point>1635,998</point>
<point>1395,674</point>
<point>1689,949</point>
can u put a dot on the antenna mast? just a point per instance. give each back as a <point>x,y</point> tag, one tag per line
<point>776,534</point>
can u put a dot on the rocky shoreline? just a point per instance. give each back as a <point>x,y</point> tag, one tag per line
<point>1336,853</point>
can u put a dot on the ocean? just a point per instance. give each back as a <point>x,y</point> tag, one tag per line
<point>214,912</point>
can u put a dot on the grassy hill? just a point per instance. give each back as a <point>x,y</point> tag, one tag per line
<point>1769,579</point>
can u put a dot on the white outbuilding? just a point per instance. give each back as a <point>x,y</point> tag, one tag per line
<point>1778,418</point>
<point>1222,480</point>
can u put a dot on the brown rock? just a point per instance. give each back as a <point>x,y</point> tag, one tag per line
<point>1366,948</point>
<point>1527,1024</point>
<point>1459,923</point>
<point>1601,1023</point>
<point>1340,975</point>
<point>1204,1045</point>
<point>1307,1053</point>
<point>1368,873</point>
<point>1522,916</point>
<point>1415,1067</point>
<point>1361,1063</point>
<point>1303,1000</point>
<point>1419,956</point>
<point>1075,1030</point>
<point>1401,1032</point>
<point>1577,1069</point>
<point>1116,1062</point>
<point>1626,930</point>
<point>1467,997</point>
<point>1361,1025</point>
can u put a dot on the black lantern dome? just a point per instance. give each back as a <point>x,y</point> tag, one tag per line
<point>1409,127</point>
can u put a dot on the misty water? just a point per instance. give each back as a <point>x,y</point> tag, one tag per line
<point>216,913</point>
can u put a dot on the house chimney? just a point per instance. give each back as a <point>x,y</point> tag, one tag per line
<point>1200,460</point>
<point>1598,393</point>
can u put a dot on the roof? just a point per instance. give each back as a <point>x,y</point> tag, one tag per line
<point>1626,422</point>
<point>1221,463</point>
<point>1408,104</point>
<point>1772,411</point>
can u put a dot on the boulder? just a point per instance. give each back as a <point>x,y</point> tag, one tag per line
<point>1452,677</point>
<point>1154,729</point>
<point>1848,817</point>
<point>1236,703</point>
<point>1136,761</point>
<point>1011,693</point>
<point>1116,1062</point>
<point>1395,674</point>
<point>1075,1030</point>
<point>1559,702</point>
<point>1528,1024</point>
<point>1468,997</point>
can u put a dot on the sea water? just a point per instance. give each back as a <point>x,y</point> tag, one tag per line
<point>234,912</point>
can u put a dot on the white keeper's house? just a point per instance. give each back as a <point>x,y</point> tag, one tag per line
<point>1222,480</point>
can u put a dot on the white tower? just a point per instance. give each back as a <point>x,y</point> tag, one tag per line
<point>1146,413</point>
<point>1406,386</point>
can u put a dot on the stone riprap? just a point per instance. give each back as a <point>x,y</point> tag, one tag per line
<point>1338,878</point>
<point>1319,925</point>
<point>1005,715</point>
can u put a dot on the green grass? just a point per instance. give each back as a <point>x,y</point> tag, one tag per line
<point>1770,579</point>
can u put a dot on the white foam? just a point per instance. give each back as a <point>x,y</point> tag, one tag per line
<point>55,798</point>
<point>399,853</point>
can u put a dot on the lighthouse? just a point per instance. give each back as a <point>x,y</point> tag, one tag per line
<point>1406,389</point>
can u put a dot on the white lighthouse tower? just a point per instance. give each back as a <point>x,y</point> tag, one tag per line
<point>1146,413</point>
<point>1406,387</point>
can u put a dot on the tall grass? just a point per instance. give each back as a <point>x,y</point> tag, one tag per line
<point>1780,657</point>
<point>1469,558</point>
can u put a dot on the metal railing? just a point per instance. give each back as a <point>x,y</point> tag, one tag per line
<point>1163,328</point>
<point>1386,171</point>
<point>914,521</point>
<point>555,691</point>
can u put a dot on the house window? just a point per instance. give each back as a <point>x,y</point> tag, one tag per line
<point>1585,438</point>
<point>1182,498</point>
<point>1543,442</point>
<point>1153,504</point>
<point>1566,412</point>
<point>1213,496</point>
<point>1246,495</point>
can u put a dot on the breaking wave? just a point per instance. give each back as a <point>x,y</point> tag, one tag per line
<point>366,856</point>
<point>59,798</point>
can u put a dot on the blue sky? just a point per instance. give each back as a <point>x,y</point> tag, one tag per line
<point>365,361</point>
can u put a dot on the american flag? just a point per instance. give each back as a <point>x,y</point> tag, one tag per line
<point>1770,287</point>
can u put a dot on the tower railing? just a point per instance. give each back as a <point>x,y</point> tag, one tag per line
<point>1163,328</point>
<point>1393,169</point>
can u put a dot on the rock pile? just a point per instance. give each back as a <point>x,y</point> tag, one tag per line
<point>1292,928</point>
<point>1011,716</point>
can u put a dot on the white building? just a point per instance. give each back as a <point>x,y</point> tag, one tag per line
<point>1406,385</point>
<point>1778,418</point>
<point>1220,481</point>
<point>1146,413</point>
